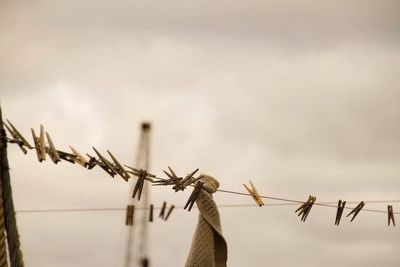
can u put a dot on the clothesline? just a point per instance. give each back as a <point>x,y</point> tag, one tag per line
<point>182,207</point>
<point>324,204</point>
<point>179,183</point>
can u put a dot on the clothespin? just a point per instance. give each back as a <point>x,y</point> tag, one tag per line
<point>118,168</point>
<point>356,210</point>
<point>67,156</point>
<point>39,144</point>
<point>253,192</point>
<point>339,211</point>
<point>179,183</point>
<point>162,211</point>
<point>189,179</point>
<point>79,158</point>
<point>173,179</point>
<point>306,207</point>
<point>151,213</point>
<point>105,164</point>
<point>169,212</point>
<point>51,150</point>
<point>142,175</point>
<point>130,213</point>
<point>17,137</point>
<point>390,215</point>
<point>92,162</point>
<point>193,196</point>
<point>136,172</point>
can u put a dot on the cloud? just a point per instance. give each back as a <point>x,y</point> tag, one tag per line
<point>298,96</point>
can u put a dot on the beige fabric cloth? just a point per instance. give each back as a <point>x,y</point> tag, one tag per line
<point>209,248</point>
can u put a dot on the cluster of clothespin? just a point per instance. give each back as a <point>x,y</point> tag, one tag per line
<point>112,167</point>
<point>130,213</point>
<point>305,208</point>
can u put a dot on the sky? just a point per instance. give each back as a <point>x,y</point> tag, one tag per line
<point>299,96</point>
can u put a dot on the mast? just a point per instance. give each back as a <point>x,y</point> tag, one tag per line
<point>137,249</point>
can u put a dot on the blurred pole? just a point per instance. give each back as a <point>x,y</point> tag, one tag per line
<point>137,253</point>
<point>14,246</point>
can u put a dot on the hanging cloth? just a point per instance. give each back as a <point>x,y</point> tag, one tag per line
<point>209,248</point>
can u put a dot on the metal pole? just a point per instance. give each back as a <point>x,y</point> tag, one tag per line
<point>137,243</point>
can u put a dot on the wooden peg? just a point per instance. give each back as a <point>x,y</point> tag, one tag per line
<point>151,213</point>
<point>254,194</point>
<point>79,158</point>
<point>130,213</point>
<point>66,156</point>
<point>169,212</point>
<point>390,215</point>
<point>356,210</point>
<point>51,150</point>
<point>162,212</point>
<point>193,196</point>
<point>105,164</point>
<point>118,168</point>
<point>142,175</point>
<point>39,144</point>
<point>17,137</point>
<point>92,162</point>
<point>339,212</point>
<point>305,208</point>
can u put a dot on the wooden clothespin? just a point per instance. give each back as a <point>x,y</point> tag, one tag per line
<point>173,179</point>
<point>39,144</point>
<point>151,213</point>
<point>142,176</point>
<point>79,158</point>
<point>254,194</point>
<point>169,212</point>
<point>130,215</point>
<point>390,215</point>
<point>339,211</point>
<point>51,150</point>
<point>190,179</point>
<point>193,196</point>
<point>17,137</point>
<point>136,172</point>
<point>105,164</point>
<point>306,207</point>
<point>118,167</point>
<point>356,210</point>
<point>67,156</point>
<point>162,211</point>
<point>92,162</point>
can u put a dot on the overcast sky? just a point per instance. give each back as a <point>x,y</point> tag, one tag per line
<point>301,97</point>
